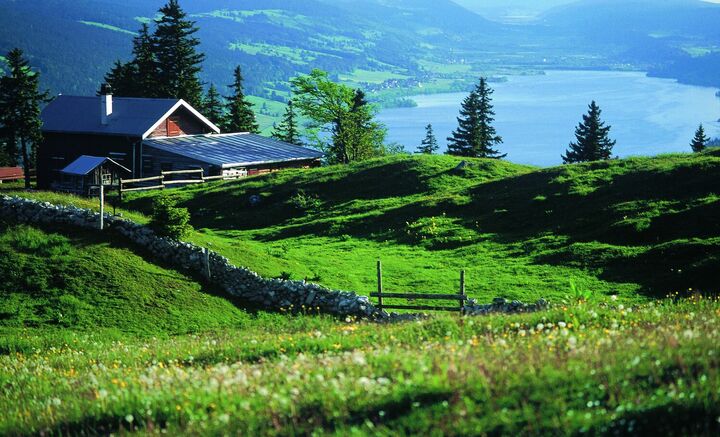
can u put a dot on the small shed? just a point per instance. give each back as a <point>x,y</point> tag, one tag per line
<point>87,172</point>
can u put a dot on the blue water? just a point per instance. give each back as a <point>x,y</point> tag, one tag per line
<point>537,115</point>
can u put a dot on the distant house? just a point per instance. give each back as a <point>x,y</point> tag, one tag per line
<point>148,136</point>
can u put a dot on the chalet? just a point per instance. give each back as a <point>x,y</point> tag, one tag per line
<point>149,136</point>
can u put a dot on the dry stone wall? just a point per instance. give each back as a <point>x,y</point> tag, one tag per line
<point>271,294</point>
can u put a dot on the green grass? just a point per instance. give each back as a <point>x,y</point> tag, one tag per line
<point>108,27</point>
<point>581,368</point>
<point>292,54</point>
<point>96,339</point>
<point>66,278</point>
<point>367,76</point>
<point>636,228</point>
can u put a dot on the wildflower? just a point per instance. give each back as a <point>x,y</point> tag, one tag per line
<point>129,418</point>
<point>572,342</point>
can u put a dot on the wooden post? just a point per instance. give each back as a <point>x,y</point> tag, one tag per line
<point>102,205</point>
<point>379,284</point>
<point>462,290</point>
<point>120,191</point>
<point>206,257</point>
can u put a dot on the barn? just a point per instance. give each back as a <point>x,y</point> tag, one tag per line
<point>149,136</point>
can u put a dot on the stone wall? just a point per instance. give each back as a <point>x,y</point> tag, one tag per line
<point>271,294</point>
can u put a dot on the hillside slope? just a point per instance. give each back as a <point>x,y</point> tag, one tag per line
<point>619,227</point>
<point>74,279</point>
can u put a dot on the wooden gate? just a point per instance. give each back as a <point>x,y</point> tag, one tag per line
<point>460,297</point>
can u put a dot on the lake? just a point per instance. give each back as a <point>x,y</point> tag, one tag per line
<point>537,115</point>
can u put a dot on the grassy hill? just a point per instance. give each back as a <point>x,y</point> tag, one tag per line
<point>641,225</point>
<point>84,319</point>
<point>69,279</point>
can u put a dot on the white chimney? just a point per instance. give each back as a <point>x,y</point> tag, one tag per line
<point>106,104</point>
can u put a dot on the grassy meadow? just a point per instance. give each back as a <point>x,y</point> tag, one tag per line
<point>95,338</point>
<point>598,368</point>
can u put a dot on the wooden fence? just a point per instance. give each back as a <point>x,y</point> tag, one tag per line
<point>161,182</point>
<point>461,297</point>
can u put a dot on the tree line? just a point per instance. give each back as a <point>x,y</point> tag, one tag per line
<point>339,119</point>
<point>476,137</point>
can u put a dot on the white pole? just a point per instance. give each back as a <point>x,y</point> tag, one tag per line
<point>102,206</point>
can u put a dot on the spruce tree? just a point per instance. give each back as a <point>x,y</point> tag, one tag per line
<point>593,141</point>
<point>475,135</point>
<point>241,117</point>
<point>700,141</point>
<point>429,144</point>
<point>121,79</point>
<point>20,100</point>
<point>287,131</point>
<point>145,64</point>
<point>178,61</point>
<point>213,107</point>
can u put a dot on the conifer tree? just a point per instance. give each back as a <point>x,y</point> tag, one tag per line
<point>145,64</point>
<point>213,107</point>
<point>287,131</point>
<point>592,139</point>
<point>121,79</point>
<point>178,61</point>
<point>429,144</point>
<point>699,143</point>
<point>20,100</point>
<point>240,116</point>
<point>475,135</point>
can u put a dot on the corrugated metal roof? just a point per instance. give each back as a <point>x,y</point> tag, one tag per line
<point>85,164</point>
<point>130,116</point>
<point>233,150</point>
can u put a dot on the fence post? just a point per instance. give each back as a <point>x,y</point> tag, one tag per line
<point>102,206</point>
<point>379,284</point>
<point>462,291</point>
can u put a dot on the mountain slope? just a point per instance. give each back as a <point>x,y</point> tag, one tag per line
<point>273,40</point>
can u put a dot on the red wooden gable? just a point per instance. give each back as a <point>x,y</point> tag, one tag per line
<point>181,122</point>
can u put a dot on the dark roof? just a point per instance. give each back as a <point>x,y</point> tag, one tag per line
<point>134,117</point>
<point>85,164</point>
<point>233,150</point>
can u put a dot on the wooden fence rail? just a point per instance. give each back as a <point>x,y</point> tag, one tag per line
<point>162,182</point>
<point>461,297</point>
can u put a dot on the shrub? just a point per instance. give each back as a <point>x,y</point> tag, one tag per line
<point>169,220</point>
<point>304,202</point>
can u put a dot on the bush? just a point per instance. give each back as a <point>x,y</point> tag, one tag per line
<point>169,220</point>
<point>304,202</point>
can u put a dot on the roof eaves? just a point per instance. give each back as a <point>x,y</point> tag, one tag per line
<point>112,134</point>
<point>275,161</point>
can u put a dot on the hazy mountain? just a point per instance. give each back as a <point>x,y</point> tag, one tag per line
<point>272,39</point>
<point>74,42</point>
<point>516,11</point>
